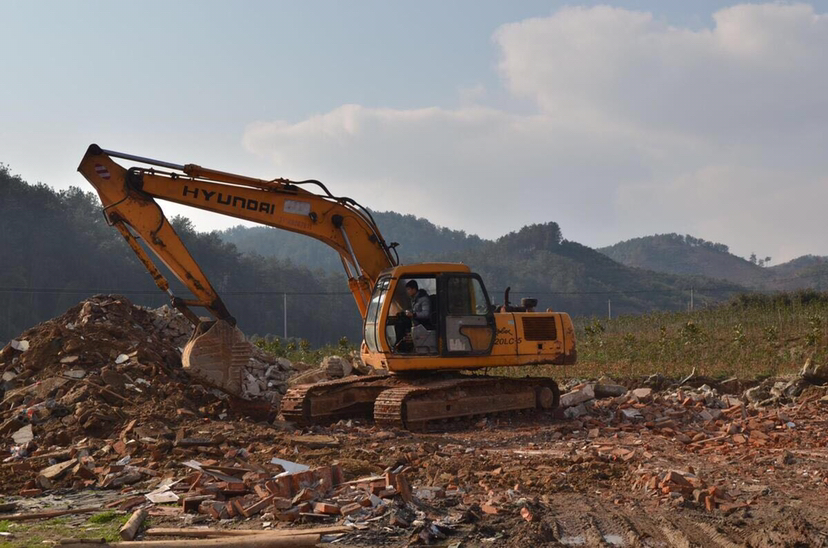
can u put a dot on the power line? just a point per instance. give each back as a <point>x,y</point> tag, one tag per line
<point>54,290</point>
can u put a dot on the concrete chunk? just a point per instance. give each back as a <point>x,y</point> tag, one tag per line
<point>578,396</point>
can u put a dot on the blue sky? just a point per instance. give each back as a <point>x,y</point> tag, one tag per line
<point>329,90</point>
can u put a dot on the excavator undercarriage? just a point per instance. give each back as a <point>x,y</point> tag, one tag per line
<point>417,402</point>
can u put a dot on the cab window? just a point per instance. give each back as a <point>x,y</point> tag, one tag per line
<point>413,316</point>
<point>469,322</point>
<point>466,297</point>
<point>372,315</point>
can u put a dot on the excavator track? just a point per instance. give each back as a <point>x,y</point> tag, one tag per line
<point>416,403</point>
<point>419,405</point>
<point>329,401</point>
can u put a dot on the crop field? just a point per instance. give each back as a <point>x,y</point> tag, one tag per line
<point>750,336</point>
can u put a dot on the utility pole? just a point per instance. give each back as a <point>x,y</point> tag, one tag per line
<point>691,299</point>
<point>284,309</point>
<point>609,309</point>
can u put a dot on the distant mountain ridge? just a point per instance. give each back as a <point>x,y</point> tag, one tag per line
<point>686,255</point>
<point>535,261</point>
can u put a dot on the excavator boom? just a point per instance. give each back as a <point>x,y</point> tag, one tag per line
<point>129,199</point>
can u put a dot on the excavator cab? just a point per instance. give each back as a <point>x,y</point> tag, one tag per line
<point>461,320</point>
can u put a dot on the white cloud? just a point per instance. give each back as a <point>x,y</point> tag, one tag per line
<point>639,127</point>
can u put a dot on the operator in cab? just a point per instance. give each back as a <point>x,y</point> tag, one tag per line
<point>420,311</point>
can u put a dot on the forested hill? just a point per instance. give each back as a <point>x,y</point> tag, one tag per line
<point>537,261</point>
<point>419,239</point>
<point>57,249</point>
<point>686,255</point>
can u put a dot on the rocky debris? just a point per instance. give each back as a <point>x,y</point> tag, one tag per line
<point>104,383</point>
<point>332,367</point>
<point>311,376</point>
<point>783,391</point>
<point>730,393</point>
<point>266,377</point>
<point>579,395</point>
<point>608,390</point>
<point>173,325</point>
<point>815,373</point>
<point>687,489</point>
<point>678,455</point>
<point>337,367</point>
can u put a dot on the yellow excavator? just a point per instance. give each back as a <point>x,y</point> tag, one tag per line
<point>426,324</point>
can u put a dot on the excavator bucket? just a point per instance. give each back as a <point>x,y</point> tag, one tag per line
<point>216,354</point>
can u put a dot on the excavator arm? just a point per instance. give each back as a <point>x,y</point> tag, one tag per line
<point>218,351</point>
<point>129,199</point>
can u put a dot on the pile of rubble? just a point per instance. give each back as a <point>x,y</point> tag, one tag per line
<point>83,378</point>
<point>283,491</point>
<point>333,367</point>
<point>776,391</point>
<point>701,418</point>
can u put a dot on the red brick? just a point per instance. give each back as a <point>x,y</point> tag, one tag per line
<point>324,475</point>
<point>325,508</point>
<point>676,478</point>
<point>281,487</point>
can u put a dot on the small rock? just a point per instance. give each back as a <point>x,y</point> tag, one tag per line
<point>21,346</point>
<point>642,394</point>
<point>575,411</point>
<point>631,414</point>
<point>757,393</point>
<point>608,390</point>
<point>578,396</point>
<point>24,435</point>
<point>337,367</point>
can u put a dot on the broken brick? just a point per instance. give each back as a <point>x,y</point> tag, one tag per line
<point>325,508</point>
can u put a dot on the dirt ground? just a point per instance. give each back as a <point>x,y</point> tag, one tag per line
<point>578,493</point>
<point>578,487</point>
<point>97,411</point>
